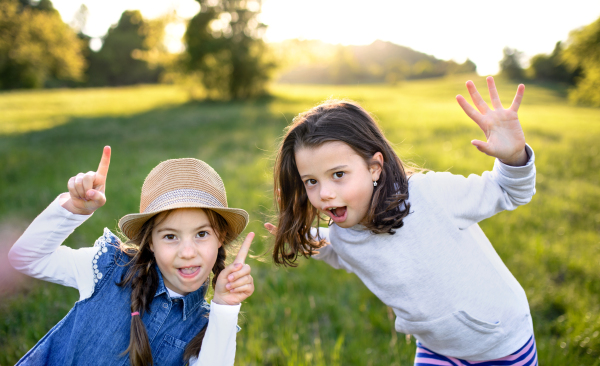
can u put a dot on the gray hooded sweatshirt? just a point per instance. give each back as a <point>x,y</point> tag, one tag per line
<point>439,272</point>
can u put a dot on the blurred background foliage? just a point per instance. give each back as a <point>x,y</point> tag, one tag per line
<point>36,46</point>
<point>224,44</point>
<point>225,56</point>
<point>576,64</point>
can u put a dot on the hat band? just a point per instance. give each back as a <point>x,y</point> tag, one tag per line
<point>188,196</point>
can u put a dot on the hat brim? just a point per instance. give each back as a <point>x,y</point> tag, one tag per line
<point>237,218</point>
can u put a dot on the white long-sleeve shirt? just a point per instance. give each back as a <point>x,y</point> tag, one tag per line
<point>439,272</point>
<point>38,253</point>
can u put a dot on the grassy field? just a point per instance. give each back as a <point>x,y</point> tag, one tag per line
<point>310,315</point>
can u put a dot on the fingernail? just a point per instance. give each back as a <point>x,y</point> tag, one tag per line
<point>238,265</point>
<point>228,286</point>
<point>91,194</point>
<point>230,278</point>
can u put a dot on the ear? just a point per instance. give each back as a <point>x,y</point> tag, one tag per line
<point>376,166</point>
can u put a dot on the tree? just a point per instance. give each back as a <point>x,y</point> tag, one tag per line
<point>466,67</point>
<point>583,52</point>
<point>510,65</point>
<point>552,67</point>
<point>224,44</point>
<point>36,46</point>
<point>122,60</point>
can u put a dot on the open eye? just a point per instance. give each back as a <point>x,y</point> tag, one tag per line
<point>202,234</point>
<point>338,175</point>
<point>310,182</point>
<point>170,236</point>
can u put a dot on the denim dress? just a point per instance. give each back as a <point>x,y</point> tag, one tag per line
<point>96,331</point>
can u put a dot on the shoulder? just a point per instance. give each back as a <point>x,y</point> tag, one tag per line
<point>430,177</point>
<point>108,257</point>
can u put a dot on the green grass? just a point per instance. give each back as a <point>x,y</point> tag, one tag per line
<point>311,315</point>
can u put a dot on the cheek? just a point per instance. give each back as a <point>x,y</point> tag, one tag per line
<point>362,195</point>
<point>162,257</point>
<point>313,197</point>
<point>210,254</point>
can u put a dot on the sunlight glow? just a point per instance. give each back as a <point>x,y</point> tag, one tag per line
<point>457,30</point>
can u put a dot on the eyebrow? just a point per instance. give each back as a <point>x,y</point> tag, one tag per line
<point>171,229</point>
<point>328,170</point>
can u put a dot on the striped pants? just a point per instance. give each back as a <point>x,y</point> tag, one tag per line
<point>526,356</point>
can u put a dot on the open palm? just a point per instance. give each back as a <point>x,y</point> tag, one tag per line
<point>502,129</point>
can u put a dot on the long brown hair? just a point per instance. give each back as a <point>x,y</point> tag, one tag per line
<point>334,120</point>
<point>142,276</point>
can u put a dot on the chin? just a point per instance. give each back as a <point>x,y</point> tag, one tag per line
<point>346,224</point>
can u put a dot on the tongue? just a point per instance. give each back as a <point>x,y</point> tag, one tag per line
<point>340,211</point>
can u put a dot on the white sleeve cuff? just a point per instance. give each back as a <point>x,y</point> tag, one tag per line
<point>517,171</point>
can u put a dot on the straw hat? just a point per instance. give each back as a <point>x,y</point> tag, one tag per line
<point>179,183</point>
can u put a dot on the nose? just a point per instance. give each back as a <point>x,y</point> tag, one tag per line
<point>187,249</point>
<point>326,193</point>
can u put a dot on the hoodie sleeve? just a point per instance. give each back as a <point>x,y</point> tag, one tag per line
<point>326,253</point>
<point>474,198</point>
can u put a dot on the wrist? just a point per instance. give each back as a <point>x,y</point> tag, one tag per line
<point>217,300</point>
<point>66,203</point>
<point>518,159</point>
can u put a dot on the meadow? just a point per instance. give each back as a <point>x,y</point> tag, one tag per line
<point>312,314</point>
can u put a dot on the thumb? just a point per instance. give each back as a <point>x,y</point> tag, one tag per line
<point>97,197</point>
<point>484,147</point>
<point>271,228</point>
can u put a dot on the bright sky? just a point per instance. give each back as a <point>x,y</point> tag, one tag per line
<point>457,30</point>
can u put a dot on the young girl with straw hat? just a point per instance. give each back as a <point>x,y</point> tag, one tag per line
<point>143,301</point>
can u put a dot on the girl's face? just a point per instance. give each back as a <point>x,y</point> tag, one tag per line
<point>185,247</point>
<point>338,181</point>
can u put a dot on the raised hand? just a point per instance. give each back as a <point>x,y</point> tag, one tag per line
<point>86,191</point>
<point>272,229</point>
<point>235,284</point>
<point>505,138</point>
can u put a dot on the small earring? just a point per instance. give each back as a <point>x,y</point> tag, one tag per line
<point>374,183</point>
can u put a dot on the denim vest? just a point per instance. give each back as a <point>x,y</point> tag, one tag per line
<point>96,330</point>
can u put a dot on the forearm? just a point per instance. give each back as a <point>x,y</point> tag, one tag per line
<point>218,345</point>
<point>38,252</point>
<point>471,199</point>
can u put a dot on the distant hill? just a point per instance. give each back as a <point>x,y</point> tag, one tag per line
<point>316,62</point>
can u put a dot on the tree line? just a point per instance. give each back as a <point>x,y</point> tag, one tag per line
<point>316,62</point>
<point>224,48</point>
<point>225,51</point>
<point>575,63</point>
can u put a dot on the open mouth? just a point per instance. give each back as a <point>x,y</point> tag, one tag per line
<point>188,271</point>
<point>337,214</point>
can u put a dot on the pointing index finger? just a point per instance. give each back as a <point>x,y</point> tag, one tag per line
<point>243,253</point>
<point>104,162</point>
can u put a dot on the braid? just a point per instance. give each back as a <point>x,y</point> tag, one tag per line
<point>143,278</point>
<point>219,265</point>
